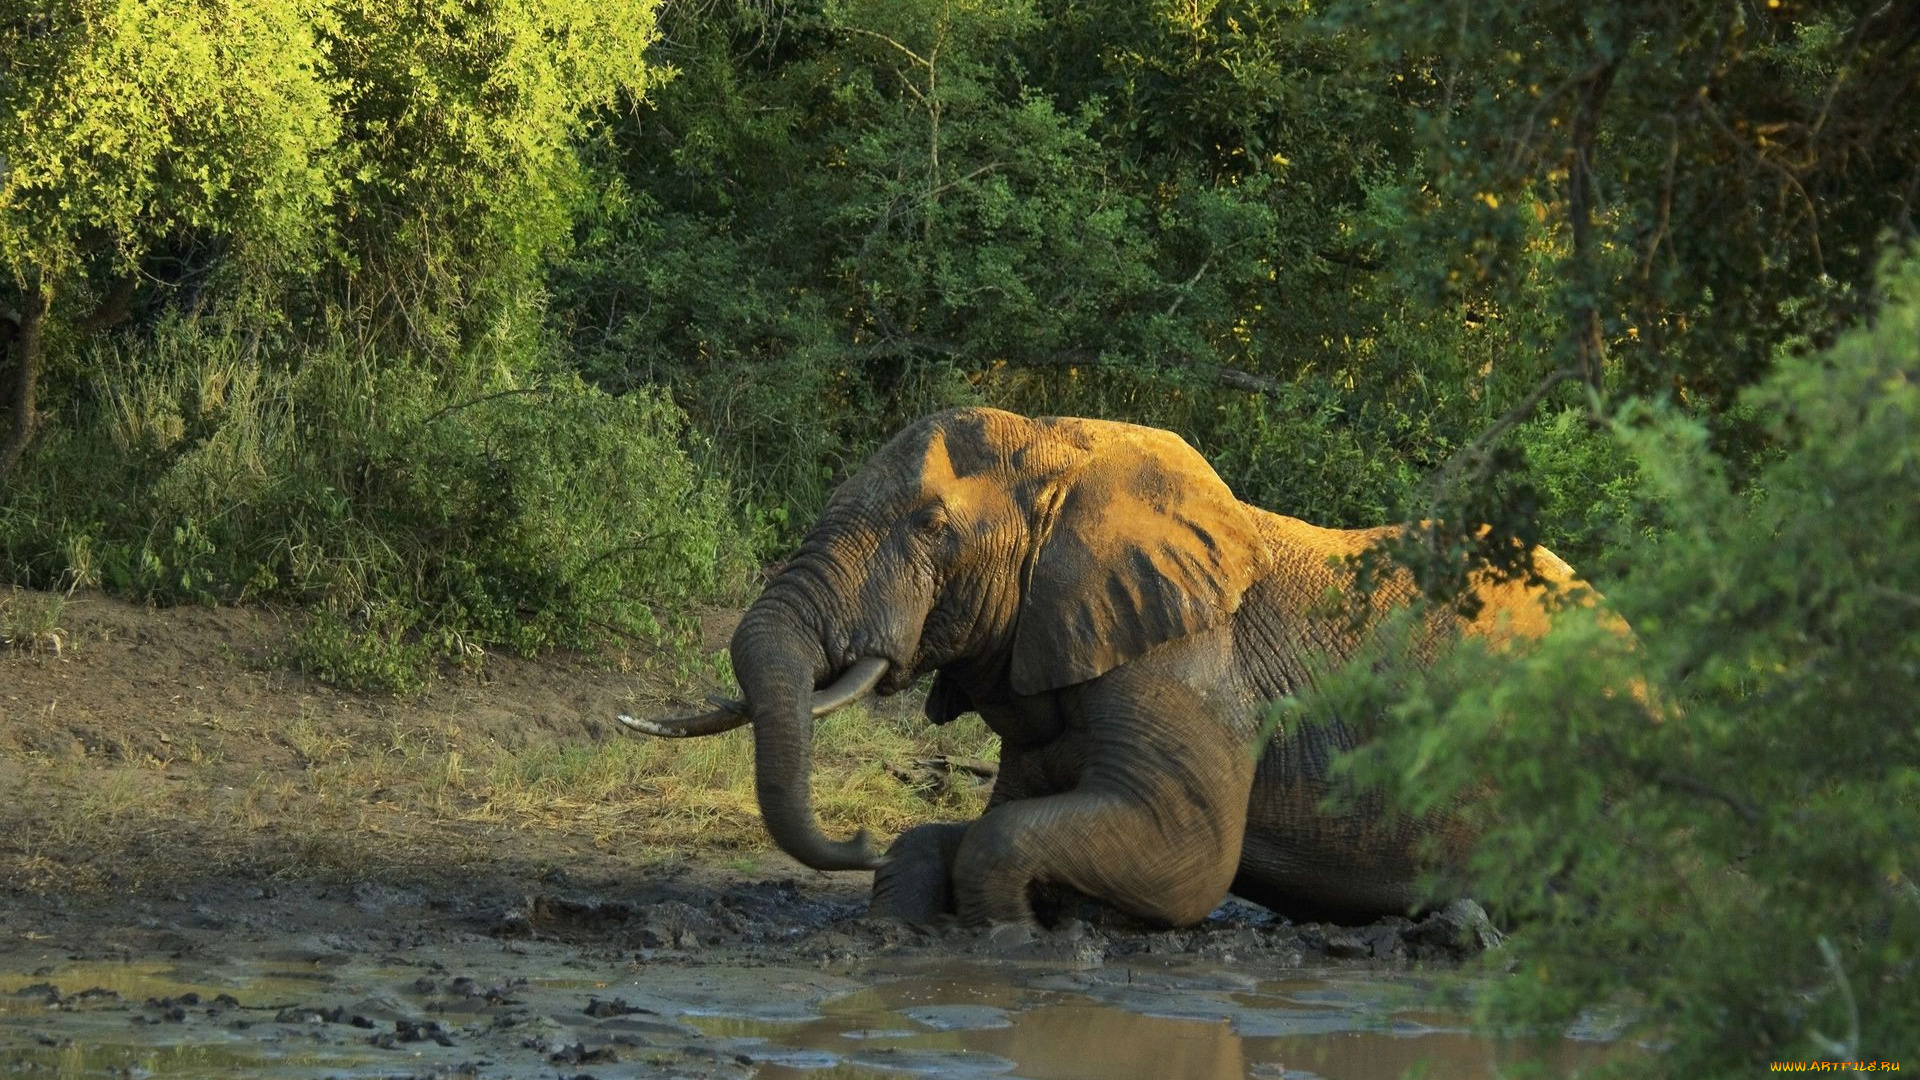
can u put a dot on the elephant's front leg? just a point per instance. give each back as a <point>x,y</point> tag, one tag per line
<point>915,884</point>
<point>1153,826</point>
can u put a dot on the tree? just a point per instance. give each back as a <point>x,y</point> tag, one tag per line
<point>1716,178</point>
<point>133,126</point>
<point>462,125</point>
<point>1652,196</point>
<point>857,212</point>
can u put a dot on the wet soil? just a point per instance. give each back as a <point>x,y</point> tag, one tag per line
<point>149,928</point>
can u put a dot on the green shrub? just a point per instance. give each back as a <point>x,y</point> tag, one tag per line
<point>1585,481</point>
<point>537,515</point>
<point>1734,866</point>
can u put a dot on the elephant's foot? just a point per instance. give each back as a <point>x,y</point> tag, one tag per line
<point>915,884</point>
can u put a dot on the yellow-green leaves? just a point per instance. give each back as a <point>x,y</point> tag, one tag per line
<point>127,123</point>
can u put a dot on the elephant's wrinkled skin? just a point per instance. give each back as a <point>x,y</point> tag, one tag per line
<point>1099,596</point>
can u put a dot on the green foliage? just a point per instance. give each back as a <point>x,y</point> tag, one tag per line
<point>537,516</point>
<point>461,175</point>
<point>374,652</point>
<point>1584,480</point>
<point>1714,827</point>
<point>1714,178</point>
<point>853,214</point>
<point>131,124</point>
<point>290,261</point>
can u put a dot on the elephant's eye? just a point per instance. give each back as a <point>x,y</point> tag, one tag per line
<point>929,520</point>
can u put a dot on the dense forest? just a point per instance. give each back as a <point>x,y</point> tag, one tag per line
<point>530,323</point>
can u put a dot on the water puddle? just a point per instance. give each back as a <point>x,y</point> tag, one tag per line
<point>1124,1024</point>
<point>539,1011</point>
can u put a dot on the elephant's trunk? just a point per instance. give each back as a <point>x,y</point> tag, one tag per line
<point>778,664</point>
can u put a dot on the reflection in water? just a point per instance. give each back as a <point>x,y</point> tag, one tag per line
<point>97,1060</point>
<point>1344,1032</point>
<point>1092,1042</point>
<point>1356,1055</point>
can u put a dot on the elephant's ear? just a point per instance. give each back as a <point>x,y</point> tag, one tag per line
<point>1145,544</point>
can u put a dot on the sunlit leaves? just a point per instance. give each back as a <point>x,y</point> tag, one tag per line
<point>463,123</point>
<point>130,123</point>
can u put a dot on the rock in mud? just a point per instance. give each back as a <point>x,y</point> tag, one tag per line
<point>45,993</point>
<point>1459,930</point>
<point>408,1031</point>
<point>578,1054</point>
<point>600,1009</point>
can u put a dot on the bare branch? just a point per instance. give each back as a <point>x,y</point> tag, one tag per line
<point>483,398</point>
<point>910,54</point>
<point>1743,809</point>
<point>1473,453</point>
<point>1187,289</point>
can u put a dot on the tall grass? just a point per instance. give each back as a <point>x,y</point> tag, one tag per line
<point>700,792</point>
<point>30,621</point>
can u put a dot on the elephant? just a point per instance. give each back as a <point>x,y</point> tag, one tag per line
<point>1121,621</point>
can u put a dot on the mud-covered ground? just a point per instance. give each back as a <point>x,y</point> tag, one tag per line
<point>186,890</point>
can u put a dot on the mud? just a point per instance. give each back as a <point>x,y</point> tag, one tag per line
<point>709,976</point>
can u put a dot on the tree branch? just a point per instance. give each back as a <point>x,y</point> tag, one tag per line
<point>1744,810</point>
<point>483,398</point>
<point>910,54</point>
<point>1589,344</point>
<point>1185,290</point>
<point>1475,451</point>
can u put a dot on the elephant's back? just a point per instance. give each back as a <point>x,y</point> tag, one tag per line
<point>1294,617</point>
<point>1302,613</point>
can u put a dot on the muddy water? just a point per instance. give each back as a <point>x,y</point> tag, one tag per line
<point>1121,1024</point>
<point>490,1009</point>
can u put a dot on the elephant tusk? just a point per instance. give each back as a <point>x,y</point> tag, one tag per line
<point>852,685</point>
<point>691,727</point>
<point>727,714</point>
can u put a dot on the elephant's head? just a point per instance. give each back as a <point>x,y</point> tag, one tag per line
<point>1028,555</point>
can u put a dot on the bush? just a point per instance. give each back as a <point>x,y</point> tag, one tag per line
<point>538,515</point>
<point>1734,866</point>
<point>1584,480</point>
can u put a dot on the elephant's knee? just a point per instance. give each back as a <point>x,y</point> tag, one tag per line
<point>992,871</point>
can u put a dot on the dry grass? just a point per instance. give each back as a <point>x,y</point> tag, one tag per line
<point>420,796</point>
<point>30,621</point>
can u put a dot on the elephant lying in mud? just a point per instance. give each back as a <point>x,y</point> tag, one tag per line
<point>1120,620</point>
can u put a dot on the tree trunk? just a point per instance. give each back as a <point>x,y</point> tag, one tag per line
<point>1589,342</point>
<point>22,417</point>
